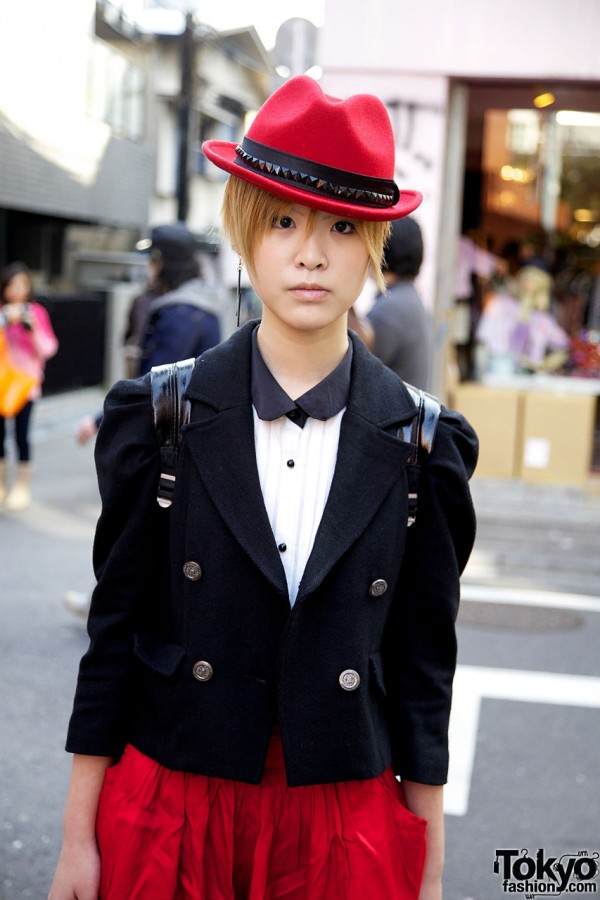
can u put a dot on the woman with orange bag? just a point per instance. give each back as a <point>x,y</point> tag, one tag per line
<point>31,341</point>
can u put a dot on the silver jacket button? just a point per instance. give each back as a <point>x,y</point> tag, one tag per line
<point>192,571</point>
<point>349,679</point>
<point>202,671</point>
<point>378,588</point>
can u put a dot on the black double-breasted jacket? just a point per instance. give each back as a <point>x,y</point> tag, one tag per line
<point>194,650</point>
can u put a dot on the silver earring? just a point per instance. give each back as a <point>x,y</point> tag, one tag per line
<point>239,291</point>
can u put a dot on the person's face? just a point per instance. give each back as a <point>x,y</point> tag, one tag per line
<point>17,290</point>
<point>309,268</point>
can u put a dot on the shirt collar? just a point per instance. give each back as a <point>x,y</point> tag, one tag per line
<point>324,400</point>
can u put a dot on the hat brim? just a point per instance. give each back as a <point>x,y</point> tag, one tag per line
<point>223,154</point>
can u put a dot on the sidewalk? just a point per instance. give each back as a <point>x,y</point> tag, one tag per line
<point>59,415</point>
<point>537,536</point>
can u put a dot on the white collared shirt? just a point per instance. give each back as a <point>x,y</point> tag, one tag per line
<point>295,467</point>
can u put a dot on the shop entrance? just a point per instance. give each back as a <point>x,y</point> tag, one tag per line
<point>526,314</point>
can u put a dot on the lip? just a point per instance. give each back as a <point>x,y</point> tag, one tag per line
<point>309,291</point>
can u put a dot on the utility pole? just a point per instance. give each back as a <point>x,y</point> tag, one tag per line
<point>184,116</point>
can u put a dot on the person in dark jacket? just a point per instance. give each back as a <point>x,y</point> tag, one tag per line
<point>182,316</point>
<point>176,317</point>
<point>401,324</point>
<point>272,652</point>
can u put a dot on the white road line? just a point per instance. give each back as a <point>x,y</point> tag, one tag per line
<point>525,597</point>
<point>472,684</point>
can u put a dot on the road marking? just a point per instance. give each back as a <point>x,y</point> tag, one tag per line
<point>525,597</point>
<point>472,684</point>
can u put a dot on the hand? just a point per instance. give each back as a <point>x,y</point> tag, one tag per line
<point>77,875</point>
<point>13,312</point>
<point>27,319</point>
<point>431,890</point>
<point>86,429</point>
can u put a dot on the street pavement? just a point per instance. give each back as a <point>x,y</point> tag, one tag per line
<point>525,773</point>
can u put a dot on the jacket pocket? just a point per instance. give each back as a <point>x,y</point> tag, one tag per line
<point>376,672</point>
<point>158,656</point>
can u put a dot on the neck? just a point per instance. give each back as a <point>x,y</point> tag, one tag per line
<point>299,360</point>
<point>391,278</point>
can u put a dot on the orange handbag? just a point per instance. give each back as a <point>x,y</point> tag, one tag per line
<point>15,385</point>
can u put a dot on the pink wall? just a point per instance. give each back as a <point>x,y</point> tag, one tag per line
<point>417,108</point>
<point>515,38</point>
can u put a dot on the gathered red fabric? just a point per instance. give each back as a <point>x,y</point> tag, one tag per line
<point>166,835</point>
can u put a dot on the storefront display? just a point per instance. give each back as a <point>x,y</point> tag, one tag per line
<point>533,382</point>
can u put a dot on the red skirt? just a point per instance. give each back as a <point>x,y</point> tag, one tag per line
<point>166,835</point>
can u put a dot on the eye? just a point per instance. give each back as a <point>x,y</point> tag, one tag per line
<point>283,222</point>
<point>344,227</point>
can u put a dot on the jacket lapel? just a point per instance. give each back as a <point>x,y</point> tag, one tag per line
<point>220,439</point>
<point>223,450</point>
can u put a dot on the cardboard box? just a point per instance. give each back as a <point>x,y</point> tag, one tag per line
<point>558,438</point>
<point>496,416</point>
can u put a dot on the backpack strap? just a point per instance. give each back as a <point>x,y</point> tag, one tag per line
<point>171,410</point>
<point>420,432</point>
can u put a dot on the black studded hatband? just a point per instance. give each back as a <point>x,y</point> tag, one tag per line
<point>362,190</point>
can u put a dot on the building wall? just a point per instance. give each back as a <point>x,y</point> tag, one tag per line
<point>56,158</point>
<point>417,109</point>
<point>468,38</point>
<point>217,75</point>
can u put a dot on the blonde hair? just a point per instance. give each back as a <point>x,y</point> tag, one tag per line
<point>248,212</point>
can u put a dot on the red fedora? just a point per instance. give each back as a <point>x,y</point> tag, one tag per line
<point>330,154</point>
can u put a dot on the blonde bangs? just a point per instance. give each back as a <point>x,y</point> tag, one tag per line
<point>375,236</point>
<point>248,212</point>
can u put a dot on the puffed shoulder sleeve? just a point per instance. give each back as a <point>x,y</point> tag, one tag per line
<point>446,476</point>
<point>126,551</point>
<point>420,649</point>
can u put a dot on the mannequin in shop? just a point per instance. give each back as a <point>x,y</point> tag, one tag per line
<point>475,267</point>
<point>519,333</point>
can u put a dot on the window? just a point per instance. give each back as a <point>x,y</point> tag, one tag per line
<point>543,168</point>
<point>116,88</point>
<point>212,129</point>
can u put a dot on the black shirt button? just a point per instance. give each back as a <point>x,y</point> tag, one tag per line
<point>282,548</point>
<point>291,463</point>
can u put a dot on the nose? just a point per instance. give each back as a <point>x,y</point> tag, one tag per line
<point>311,253</point>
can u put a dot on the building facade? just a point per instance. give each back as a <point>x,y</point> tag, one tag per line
<point>101,121</point>
<point>450,72</point>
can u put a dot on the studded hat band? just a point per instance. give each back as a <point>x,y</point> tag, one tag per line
<point>362,190</point>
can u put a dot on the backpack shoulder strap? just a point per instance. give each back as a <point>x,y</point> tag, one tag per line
<point>171,410</point>
<point>420,432</point>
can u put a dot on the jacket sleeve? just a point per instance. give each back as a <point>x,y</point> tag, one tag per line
<point>126,551</point>
<point>420,640</point>
<point>387,333</point>
<point>43,337</point>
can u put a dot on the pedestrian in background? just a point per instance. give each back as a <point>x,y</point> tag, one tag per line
<point>261,666</point>
<point>401,324</point>
<point>175,317</point>
<point>31,342</point>
<point>136,329</point>
<point>182,318</point>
